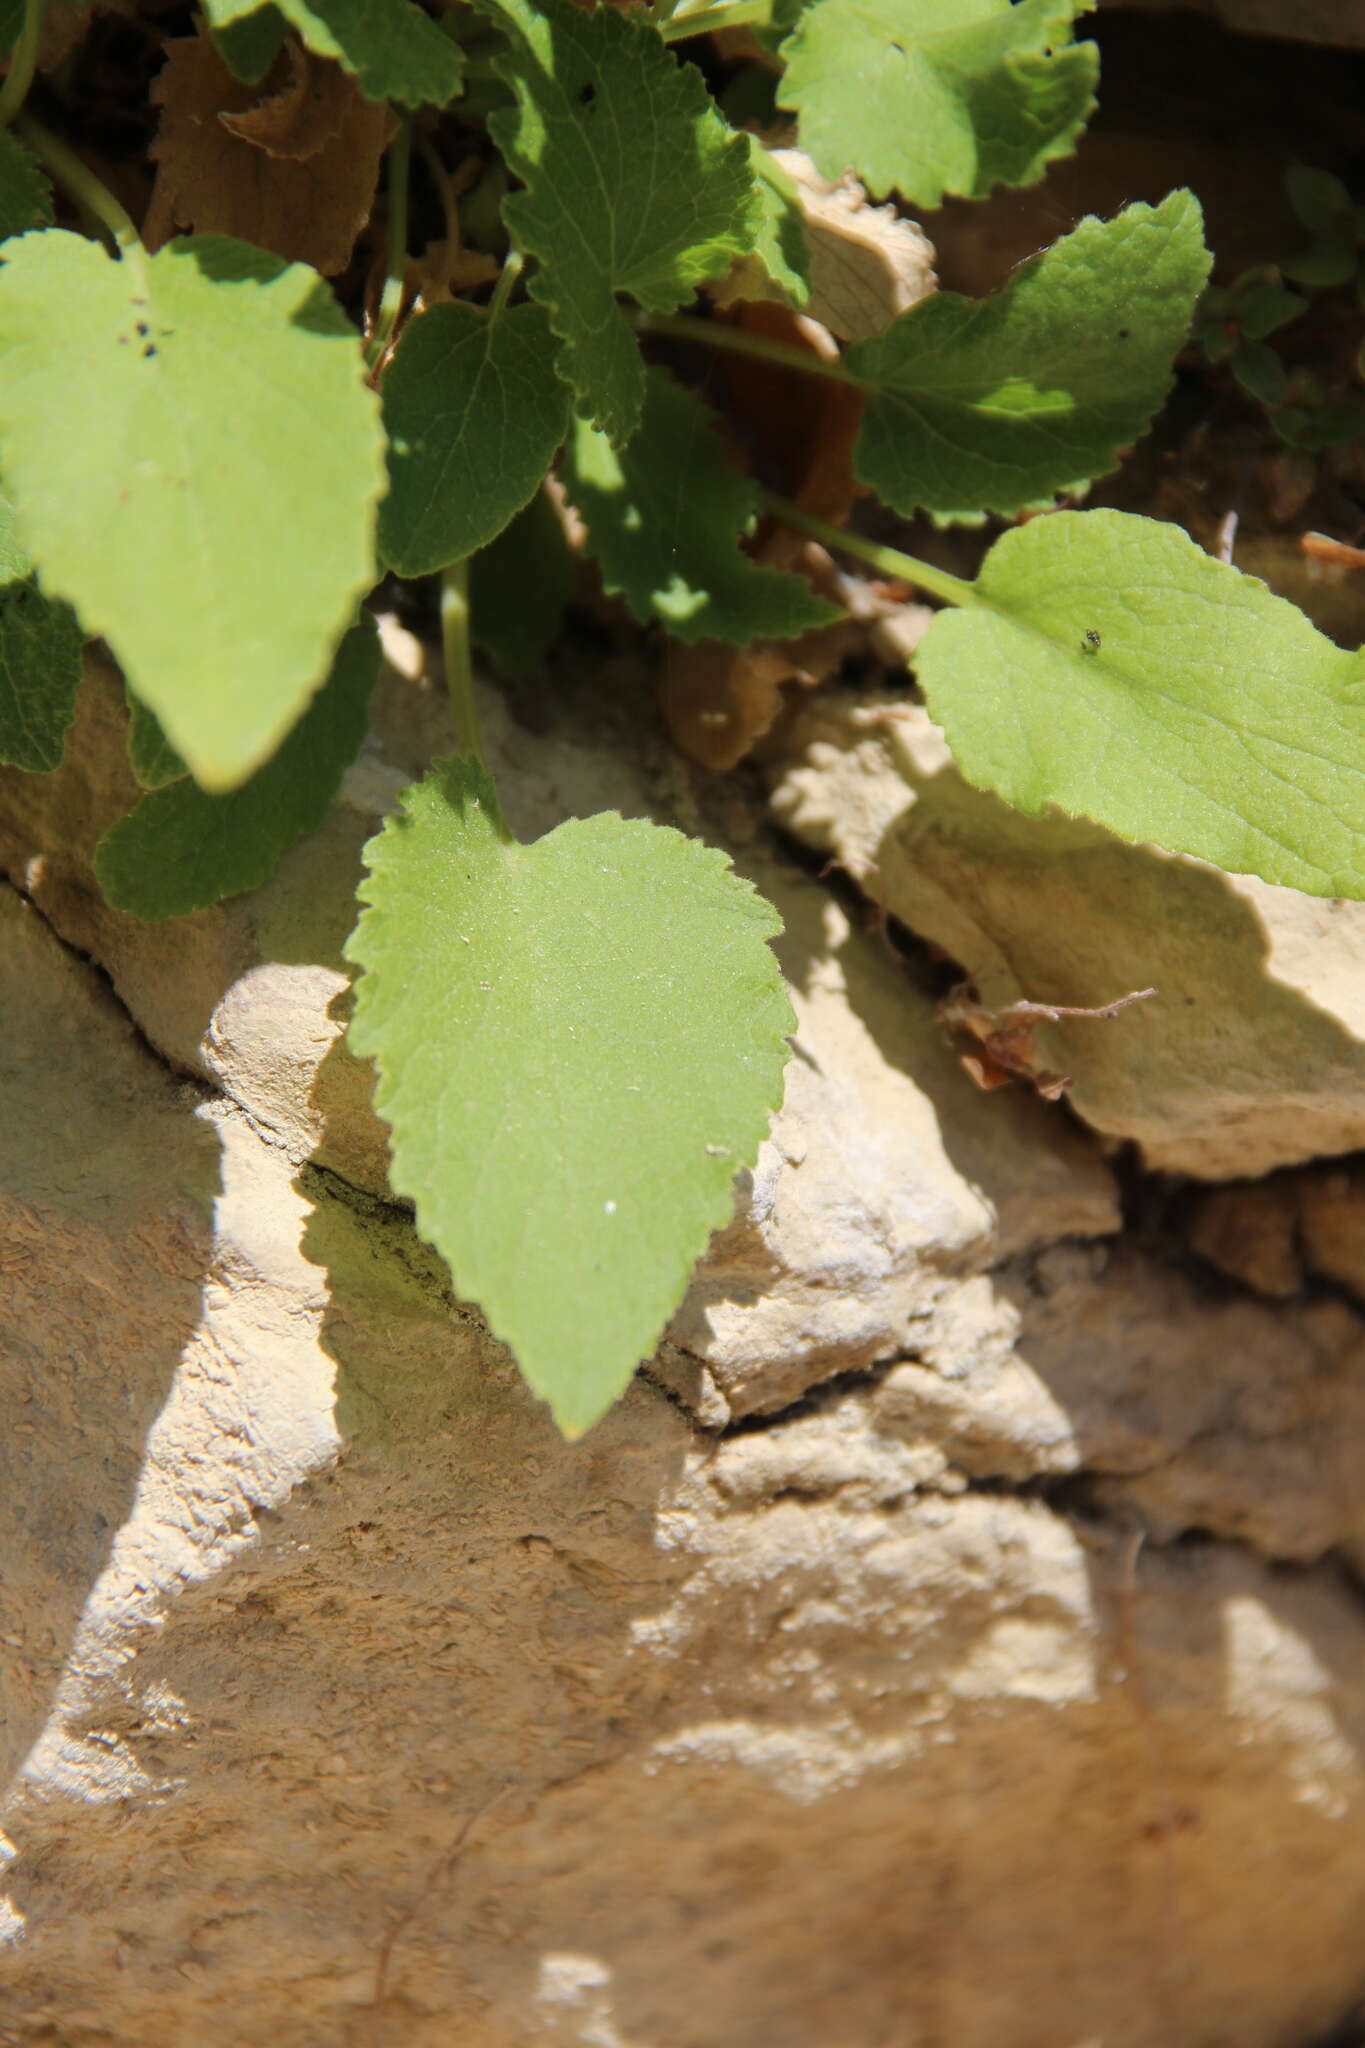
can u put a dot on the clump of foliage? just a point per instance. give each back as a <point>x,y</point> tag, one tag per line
<point>210,456</point>
<point>1233,323</point>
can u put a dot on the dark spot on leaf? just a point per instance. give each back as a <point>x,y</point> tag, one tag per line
<point>586,95</point>
<point>1123,333</point>
<point>149,350</point>
<point>1091,642</point>
<point>899,49</point>
<point>143,329</point>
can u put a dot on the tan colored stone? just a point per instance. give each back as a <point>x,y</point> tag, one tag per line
<point>1251,1234</point>
<point>1332,1225</point>
<point>359,1708</point>
<point>1251,1056</point>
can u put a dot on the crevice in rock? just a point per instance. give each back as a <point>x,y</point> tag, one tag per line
<point>183,1076</point>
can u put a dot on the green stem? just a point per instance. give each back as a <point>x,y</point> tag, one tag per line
<point>395,276</point>
<point>455,648</point>
<point>889,561</point>
<point>716,334</point>
<point>79,182</point>
<point>502,290</point>
<point>22,64</point>
<point>725,14</point>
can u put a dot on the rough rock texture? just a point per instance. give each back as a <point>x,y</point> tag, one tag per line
<point>1252,1057</point>
<point>1004,1690</point>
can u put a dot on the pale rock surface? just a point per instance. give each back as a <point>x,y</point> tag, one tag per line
<point>859,1208</point>
<point>1251,1056</point>
<point>348,1707</point>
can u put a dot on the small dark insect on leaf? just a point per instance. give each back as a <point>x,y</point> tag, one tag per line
<point>1004,1038</point>
<point>586,95</point>
<point>1091,642</point>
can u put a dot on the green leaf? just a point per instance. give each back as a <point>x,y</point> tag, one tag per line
<point>780,243</point>
<point>395,50</point>
<point>1321,202</point>
<point>579,1043</point>
<point>25,195</point>
<point>998,404</point>
<point>151,756</point>
<point>1265,307</point>
<point>40,661</point>
<point>664,517</point>
<point>180,849</point>
<point>250,44</point>
<point>518,589</point>
<point>927,97</point>
<point>194,462</point>
<point>1112,668</point>
<point>1258,370</point>
<point>633,184</point>
<point>1324,264</point>
<point>474,411</point>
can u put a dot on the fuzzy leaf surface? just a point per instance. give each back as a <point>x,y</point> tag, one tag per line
<point>475,411</point>
<point>997,404</point>
<point>927,97</point>
<point>194,465</point>
<point>395,50</point>
<point>579,1043</point>
<point>1114,669</point>
<point>181,849</point>
<point>665,515</point>
<point>40,661</point>
<point>25,194</point>
<point>633,184</point>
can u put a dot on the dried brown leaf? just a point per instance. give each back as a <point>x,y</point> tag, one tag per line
<point>719,700</point>
<point>306,113</point>
<point>1004,1050</point>
<point>308,209</point>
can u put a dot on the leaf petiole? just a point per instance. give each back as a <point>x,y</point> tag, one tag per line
<point>889,561</point>
<point>716,334</point>
<point>395,276</point>
<point>22,64</point>
<point>502,290</point>
<point>79,182</point>
<point>455,651</point>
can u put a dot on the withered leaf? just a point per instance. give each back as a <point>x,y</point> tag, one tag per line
<point>305,114</point>
<point>1004,1049</point>
<point>281,183</point>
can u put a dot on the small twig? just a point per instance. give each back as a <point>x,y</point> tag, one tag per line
<point>1167,1821</point>
<point>1052,1011</point>
<point>440,1872</point>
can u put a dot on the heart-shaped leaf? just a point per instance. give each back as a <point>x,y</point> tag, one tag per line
<point>579,1043</point>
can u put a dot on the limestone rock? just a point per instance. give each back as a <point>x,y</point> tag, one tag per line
<point>1252,1055</point>
<point>1267,1234</point>
<point>860,1210</point>
<point>346,1706</point>
<point>887,1177</point>
<point>365,1710</point>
